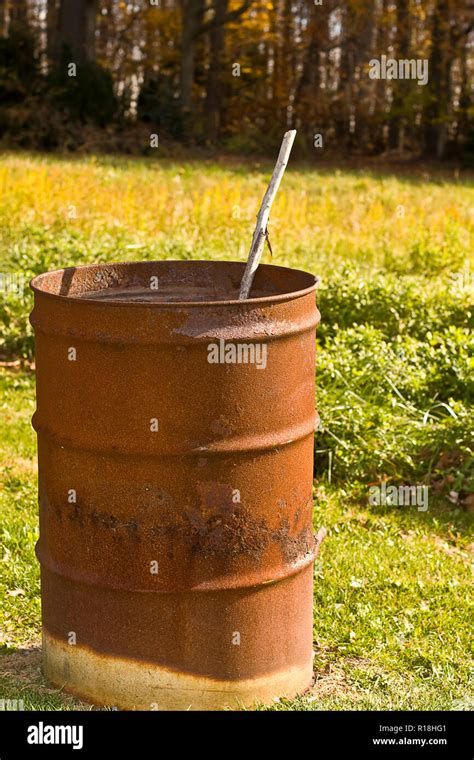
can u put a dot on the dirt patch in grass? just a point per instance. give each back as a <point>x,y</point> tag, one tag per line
<point>24,664</point>
<point>22,670</point>
<point>331,681</point>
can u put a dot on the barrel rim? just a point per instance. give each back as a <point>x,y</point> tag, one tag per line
<point>36,282</point>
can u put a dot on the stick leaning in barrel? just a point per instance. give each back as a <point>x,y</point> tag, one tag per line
<point>259,235</point>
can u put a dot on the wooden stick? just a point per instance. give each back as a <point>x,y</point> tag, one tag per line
<point>258,240</point>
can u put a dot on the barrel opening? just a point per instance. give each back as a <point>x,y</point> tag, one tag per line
<point>180,282</point>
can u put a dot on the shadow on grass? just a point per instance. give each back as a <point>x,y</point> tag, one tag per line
<point>442,519</point>
<point>23,686</point>
<point>413,172</point>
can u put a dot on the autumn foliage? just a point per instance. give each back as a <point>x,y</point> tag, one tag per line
<point>237,73</point>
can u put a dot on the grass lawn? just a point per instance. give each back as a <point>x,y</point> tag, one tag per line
<point>393,600</point>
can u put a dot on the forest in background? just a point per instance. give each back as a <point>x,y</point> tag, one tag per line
<point>234,74</point>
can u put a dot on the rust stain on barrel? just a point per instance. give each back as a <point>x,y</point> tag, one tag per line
<point>217,499</point>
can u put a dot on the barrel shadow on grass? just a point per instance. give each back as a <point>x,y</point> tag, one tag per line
<point>441,519</point>
<point>21,679</point>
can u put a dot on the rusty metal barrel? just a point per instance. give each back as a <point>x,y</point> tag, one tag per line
<point>175,430</point>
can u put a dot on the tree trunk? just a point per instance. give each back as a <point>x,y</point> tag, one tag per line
<point>344,95</point>
<point>192,12</point>
<point>213,95</point>
<point>51,29</point>
<point>76,29</point>
<point>3,18</point>
<point>364,41</point>
<point>464,108</point>
<point>18,12</point>
<point>307,92</point>
<point>438,89</point>
<point>400,87</point>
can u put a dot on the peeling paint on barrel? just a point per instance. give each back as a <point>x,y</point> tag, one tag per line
<point>180,559</point>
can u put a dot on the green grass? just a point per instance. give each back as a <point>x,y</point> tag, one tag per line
<point>393,600</point>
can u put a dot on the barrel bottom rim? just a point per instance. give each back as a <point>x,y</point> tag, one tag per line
<point>111,681</point>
